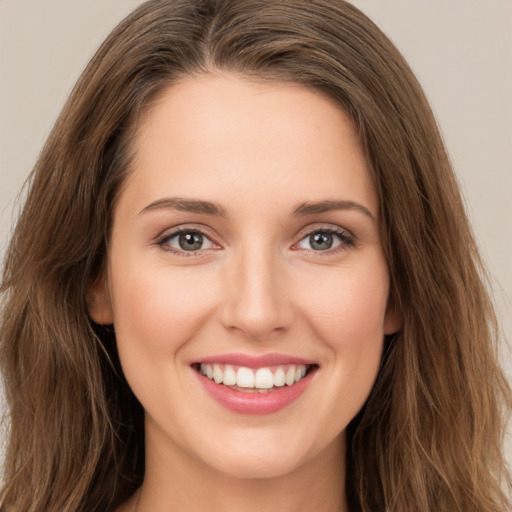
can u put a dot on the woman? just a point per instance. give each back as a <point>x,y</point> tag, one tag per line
<point>243,278</point>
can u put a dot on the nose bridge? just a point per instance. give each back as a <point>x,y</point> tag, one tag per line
<point>256,302</point>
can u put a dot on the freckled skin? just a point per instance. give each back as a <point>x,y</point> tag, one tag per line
<point>255,286</point>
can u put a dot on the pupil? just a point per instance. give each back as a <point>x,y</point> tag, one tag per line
<point>191,241</point>
<point>321,241</point>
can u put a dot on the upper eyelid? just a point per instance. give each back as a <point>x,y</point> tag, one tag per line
<point>162,242</point>
<point>205,230</point>
<point>181,228</point>
<point>347,238</point>
<point>208,233</point>
<point>333,228</point>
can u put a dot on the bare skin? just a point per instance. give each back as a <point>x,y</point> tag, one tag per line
<point>195,488</point>
<point>248,225</point>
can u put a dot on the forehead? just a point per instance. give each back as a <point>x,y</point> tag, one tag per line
<point>209,134</point>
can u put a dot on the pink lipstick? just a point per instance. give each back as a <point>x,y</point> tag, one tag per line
<point>254,384</point>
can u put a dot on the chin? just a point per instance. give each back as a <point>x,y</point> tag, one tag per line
<point>258,456</point>
<point>261,467</point>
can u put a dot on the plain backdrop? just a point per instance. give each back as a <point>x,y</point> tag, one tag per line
<point>461,51</point>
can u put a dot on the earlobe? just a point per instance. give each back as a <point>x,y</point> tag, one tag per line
<point>98,302</point>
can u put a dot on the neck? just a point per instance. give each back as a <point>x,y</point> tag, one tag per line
<point>175,481</point>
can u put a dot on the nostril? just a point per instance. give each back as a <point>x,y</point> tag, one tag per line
<point>256,305</point>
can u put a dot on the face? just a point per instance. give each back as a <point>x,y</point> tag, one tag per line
<point>245,246</point>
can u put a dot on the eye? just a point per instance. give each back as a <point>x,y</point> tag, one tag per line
<point>189,240</point>
<point>325,240</point>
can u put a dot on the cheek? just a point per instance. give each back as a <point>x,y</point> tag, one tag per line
<point>155,312</point>
<point>348,307</point>
<point>347,316</point>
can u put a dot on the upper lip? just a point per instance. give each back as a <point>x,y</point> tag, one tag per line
<point>253,361</point>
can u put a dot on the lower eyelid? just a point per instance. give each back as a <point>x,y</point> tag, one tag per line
<point>337,243</point>
<point>163,241</point>
<point>344,240</point>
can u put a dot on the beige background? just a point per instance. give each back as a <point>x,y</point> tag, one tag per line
<point>461,51</point>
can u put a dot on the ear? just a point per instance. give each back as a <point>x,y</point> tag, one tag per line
<point>393,319</point>
<point>98,302</point>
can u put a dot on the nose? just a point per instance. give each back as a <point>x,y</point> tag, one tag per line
<point>256,303</point>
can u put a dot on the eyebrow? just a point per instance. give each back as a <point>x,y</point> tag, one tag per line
<point>312,208</point>
<point>186,205</point>
<point>212,208</point>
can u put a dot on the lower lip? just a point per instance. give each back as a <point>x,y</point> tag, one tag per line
<point>255,403</point>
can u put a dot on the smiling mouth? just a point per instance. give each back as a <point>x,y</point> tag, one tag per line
<point>266,379</point>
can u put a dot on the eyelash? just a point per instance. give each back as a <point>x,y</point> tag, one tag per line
<point>346,240</point>
<point>162,240</point>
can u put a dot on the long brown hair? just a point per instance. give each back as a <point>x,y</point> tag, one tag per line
<point>429,436</point>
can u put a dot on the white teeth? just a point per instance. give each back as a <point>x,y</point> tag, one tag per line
<point>218,376</point>
<point>261,379</point>
<point>229,376</point>
<point>245,377</point>
<point>279,378</point>
<point>290,376</point>
<point>264,379</point>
